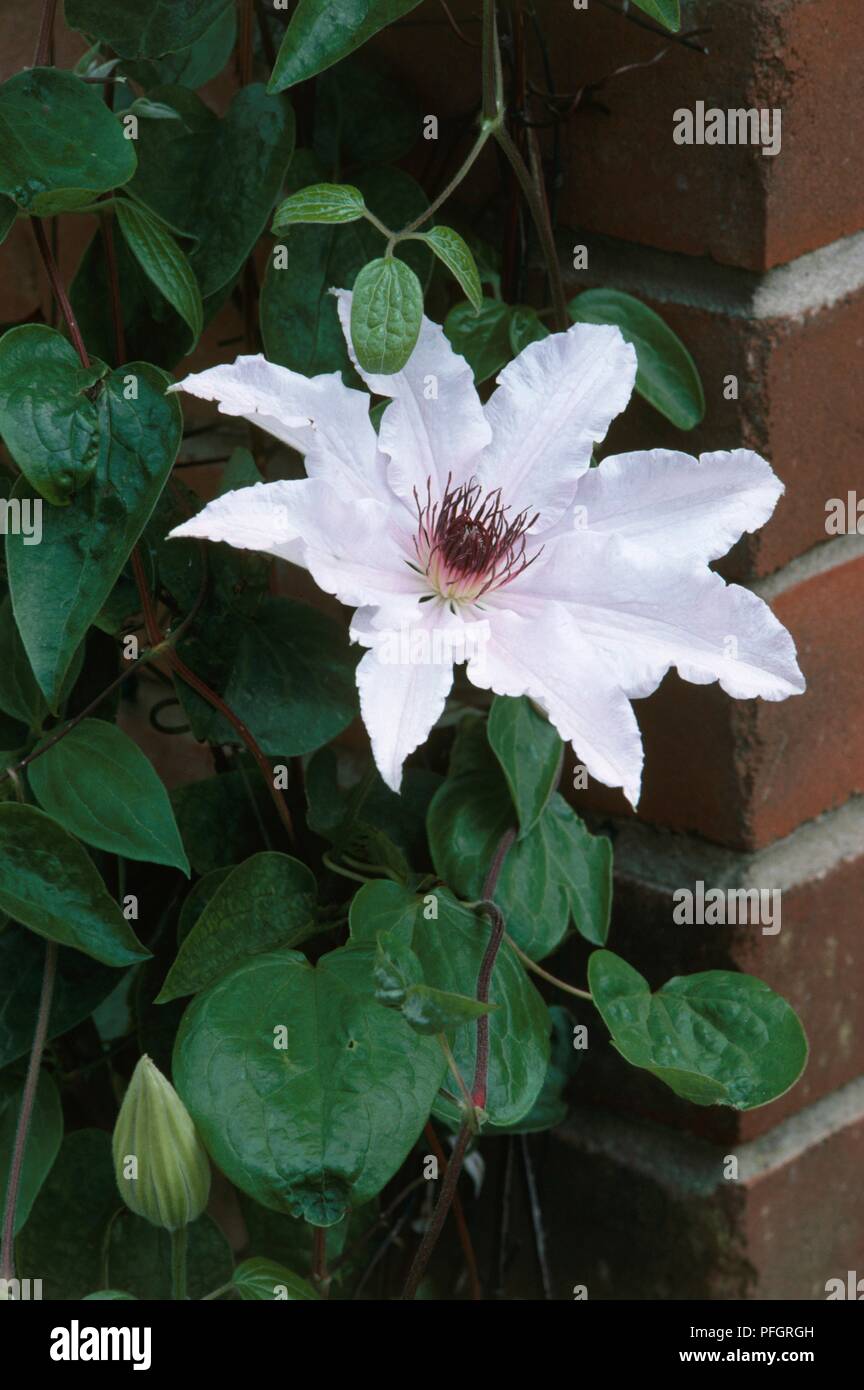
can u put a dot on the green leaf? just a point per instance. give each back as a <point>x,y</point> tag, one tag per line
<point>666,11</point>
<point>213,179</point>
<point>382,906</point>
<point>323,31</point>
<point>193,66</point>
<point>454,252</point>
<point>525,328</point>
<point>61,1244</point>
<point>86,544</point>
<point>386,313</point>
<point>716,1038</point>
<point>451,950</point>
<point>529,751</point>
<point>136,30</point>
<point>109,1296</point>
<point>20,696</point>
<point>550,1108</point>
<point>482,338</point>
<point>366,817</point>
<point>431,1010</point>
<point>80,986</point>
<point>48,418</point>
<point>99,785</point>
<point>307,1093</point>
<point>138,1257</point>
<point>299,320</point>
<point>224,819</point>
<point>666,374</point>
<point>320,202</point>
<point>290,677</point>
<point>396,969</point>
<point>266,902</point>
<point>163,262</point>
<point>49,883</point>
<point>364,115</point>
<point>555,873</point>
<point>60,147</point>
<point>43,1140</point>
<point>258,1279</point>
<point>197,899</point>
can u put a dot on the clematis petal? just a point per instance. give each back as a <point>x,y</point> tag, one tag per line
<point>690,508</point>
<point>356,550</point>
<point>250,518</point>
<point>434,425</point>
<point>546,657</point>
<point>404,681</point>
<point>552,403</point>
<point>645,613</point>
<point>319,416</point>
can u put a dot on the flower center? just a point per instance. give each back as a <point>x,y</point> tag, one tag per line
<point>467,544</point>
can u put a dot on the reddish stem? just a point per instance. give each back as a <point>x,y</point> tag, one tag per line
<point>45,42</point>
<point>59,290</point>
<point>7,1259</point>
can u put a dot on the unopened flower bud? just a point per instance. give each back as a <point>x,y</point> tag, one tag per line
<point>161,1166</point>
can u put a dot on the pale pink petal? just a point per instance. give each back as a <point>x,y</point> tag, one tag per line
<point>552,403</point>
<point>546,657</point>
<point>688,508</point>
<point>404,681</point>
<point>434,426</point>
<point>319,416</point>
<point>356,550</point>
<point>646,612</point>
<point>251,518</point>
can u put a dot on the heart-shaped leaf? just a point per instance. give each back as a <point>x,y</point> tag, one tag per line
<point>60,146</point>
<point>133,30</point>
<point>48,417</point>
<point>716,1038</point>
<point>307,1093</point>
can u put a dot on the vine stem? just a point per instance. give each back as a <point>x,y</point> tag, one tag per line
<point>535,197</point>
<point>481,1073</point>
<point>545,974</point>
<point>46,34</point>
<point>49,974</point>
<point>320,1274</point>
<point>179,1246</point>
<point>487,129</point>
<point>59,290</point>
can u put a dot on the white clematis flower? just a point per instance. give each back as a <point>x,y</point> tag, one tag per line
<point>481,533</point>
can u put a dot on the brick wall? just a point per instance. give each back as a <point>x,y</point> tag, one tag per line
<point>758,262</point>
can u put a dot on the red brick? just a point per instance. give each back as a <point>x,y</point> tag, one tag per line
<point>744,772</point>
<point>662,1223</point>
<point>815,961</point>
<point>621,171</point>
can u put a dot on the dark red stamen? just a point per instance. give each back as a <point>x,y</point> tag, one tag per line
<point>470,537</point>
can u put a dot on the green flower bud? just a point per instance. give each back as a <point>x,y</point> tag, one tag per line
<point>161,1166</point>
